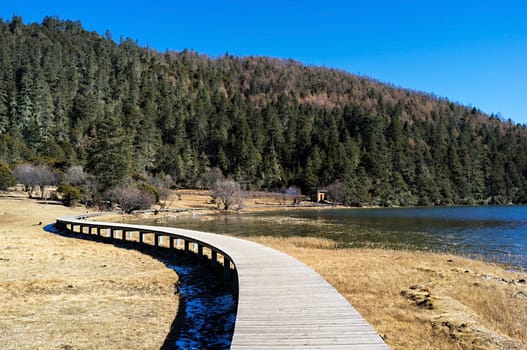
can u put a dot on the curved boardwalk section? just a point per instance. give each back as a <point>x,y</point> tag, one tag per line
<point>282,303</point>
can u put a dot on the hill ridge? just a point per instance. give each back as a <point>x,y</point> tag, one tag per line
<point>73,97</point>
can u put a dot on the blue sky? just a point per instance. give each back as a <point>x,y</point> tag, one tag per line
<point>472,52</point>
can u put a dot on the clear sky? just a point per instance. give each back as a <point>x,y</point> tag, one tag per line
<point>472,52</point>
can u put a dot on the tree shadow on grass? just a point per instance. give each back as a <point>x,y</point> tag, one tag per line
<point>171,258</point>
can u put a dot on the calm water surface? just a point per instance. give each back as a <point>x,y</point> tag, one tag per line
<point>497,233</point>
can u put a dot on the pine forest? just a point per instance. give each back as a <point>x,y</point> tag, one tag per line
<point>121,113</point>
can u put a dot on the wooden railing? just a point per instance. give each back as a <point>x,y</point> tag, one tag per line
<point>282,303</point>
<point>154,235</point>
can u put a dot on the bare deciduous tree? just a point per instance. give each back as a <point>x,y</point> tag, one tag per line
<point>162,185</point>
<point>337,191</point>
<point>75,175</point>
<point>32,176</point>
<point>227,194</point>
<point>214,175</point>
<point>90,191</point>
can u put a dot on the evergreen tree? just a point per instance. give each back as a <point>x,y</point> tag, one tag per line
<point>7,179</point>
<point>70,96</point>
<point>109,156</point>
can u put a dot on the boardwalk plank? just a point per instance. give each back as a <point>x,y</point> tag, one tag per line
<point>282,303</point>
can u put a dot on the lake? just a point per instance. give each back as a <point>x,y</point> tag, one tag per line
<point>495,233</point>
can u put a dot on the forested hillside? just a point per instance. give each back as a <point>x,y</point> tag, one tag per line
<point>72,97</point>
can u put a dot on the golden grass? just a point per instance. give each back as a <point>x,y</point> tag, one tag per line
<point>415,300</point>
<point>189,199</point>
<point>464,304</point>
<point>202,199</point>
<point>62,293</point>
<point>65,293</point>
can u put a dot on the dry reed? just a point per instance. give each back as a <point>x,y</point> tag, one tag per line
<point>419,300</point>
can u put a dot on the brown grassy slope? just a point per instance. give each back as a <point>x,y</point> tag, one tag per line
<point>421,300</point>
<point>60,293</point>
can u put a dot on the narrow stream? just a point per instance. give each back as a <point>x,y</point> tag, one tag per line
<point>210,307</point>
<point>208,303</point>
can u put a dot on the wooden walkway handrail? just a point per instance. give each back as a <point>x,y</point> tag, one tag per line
<point>282,303</point>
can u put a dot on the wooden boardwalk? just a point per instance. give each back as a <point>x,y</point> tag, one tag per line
<point>282,303</point>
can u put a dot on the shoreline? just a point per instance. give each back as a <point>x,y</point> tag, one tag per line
<point>413,299</point>
<point>418,299</point>
<point>170,217</point>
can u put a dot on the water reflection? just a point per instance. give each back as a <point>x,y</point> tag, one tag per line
<point>498,233</point>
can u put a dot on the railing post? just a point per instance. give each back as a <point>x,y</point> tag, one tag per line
<point>200,250</point>
<point>213,258</point>
<point>156,237</point>
<point>60,226</point>
<point>171,243</point>
<point>187,245</point>
<point>235,283</point>
<point>98,231</point>
<point>226,268</point>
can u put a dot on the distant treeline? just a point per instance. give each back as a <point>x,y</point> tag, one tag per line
<point>72,97</point>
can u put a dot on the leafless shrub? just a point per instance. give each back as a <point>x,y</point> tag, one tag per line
<point>131,198</point>
<point>294,193</point>
<point>162,183</point>
<point>227,194</point>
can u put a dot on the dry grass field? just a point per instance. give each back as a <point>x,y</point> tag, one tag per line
<point>418,300</point>
<point>415,300</point>
<point>66,293</point>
